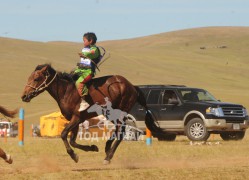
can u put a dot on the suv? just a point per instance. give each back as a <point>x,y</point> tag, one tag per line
<point>193,112</point>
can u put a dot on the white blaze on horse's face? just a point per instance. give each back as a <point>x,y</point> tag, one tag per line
<point>34,84</point>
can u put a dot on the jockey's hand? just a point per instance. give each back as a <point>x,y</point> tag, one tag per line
<point>81,55</point>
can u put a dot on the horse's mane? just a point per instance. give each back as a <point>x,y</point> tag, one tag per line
<point>66,76</point>
<point>69,76</point>
<point>61,75</point>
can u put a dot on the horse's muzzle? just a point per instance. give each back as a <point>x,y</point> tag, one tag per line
<point>26,98</point>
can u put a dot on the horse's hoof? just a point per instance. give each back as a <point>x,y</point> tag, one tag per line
<point>76,158</point>
<point>106,162</point>
<point>94,148</point>
<point>8,159</point>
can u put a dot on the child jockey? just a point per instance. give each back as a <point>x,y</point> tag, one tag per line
<point>90,56</point>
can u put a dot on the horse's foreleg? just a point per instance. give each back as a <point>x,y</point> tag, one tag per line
<point>73,123</point>
<point>111,151</point>
<point>73,143</point>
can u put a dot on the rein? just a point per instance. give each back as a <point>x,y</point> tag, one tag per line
<point>43,85</point>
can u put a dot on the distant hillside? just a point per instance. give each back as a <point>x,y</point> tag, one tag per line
<point>214,58</point>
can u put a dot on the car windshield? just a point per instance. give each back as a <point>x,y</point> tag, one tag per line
<point>196,95</point>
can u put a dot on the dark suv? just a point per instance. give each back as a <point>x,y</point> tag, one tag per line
<point>193,112</point>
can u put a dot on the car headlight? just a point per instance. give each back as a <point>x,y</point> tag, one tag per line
<point>245,112</point>
<point>215,111</point>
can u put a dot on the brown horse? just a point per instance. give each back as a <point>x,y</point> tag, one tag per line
<point>11,114</point>
<point>121,93</point>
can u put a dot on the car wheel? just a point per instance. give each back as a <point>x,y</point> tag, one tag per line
<point>195,130</point>
<point>226,136</point>
<point>169,137</point>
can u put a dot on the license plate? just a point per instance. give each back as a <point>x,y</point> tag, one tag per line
<point>236,126</point>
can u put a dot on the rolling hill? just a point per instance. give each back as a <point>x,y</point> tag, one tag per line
<point>213,58</point>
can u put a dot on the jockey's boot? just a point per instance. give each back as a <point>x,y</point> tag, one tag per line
<point>83,105</point>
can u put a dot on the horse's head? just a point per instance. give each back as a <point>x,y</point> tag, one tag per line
<point>38,81</point>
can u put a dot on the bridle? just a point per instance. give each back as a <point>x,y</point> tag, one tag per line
<point>42,86</point>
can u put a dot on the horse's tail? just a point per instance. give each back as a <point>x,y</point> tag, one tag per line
<point>150,119</point>
<point>8,113</point>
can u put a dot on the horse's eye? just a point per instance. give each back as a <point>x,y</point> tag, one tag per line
<point>37,79</point>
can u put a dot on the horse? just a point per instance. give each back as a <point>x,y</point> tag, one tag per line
<point>61,86</point>
<point>10,114</point>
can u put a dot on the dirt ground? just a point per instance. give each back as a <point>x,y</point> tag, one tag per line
<point>42,158</point>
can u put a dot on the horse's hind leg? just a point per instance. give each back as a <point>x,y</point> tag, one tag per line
<point>108,144</point>
<point>110,153</point>
<point>76,145</point>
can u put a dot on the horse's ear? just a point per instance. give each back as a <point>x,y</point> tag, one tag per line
<point>44,69</point>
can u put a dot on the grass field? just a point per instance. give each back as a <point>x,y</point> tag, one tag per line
<point>167,58</point>
<point>42,158</point>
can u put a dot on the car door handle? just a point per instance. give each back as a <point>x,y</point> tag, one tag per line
<point>140,109</point>
<point>163,109</point>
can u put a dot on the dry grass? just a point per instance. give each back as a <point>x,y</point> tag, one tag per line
<point>42,158</point>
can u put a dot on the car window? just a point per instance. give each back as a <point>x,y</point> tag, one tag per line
<point>196,95</point>
<point>153,96</point>
<point>189,95</point>
<point>205,96</point>
<point>168,96</point>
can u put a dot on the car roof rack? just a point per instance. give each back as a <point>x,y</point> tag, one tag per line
<point>160,86</point>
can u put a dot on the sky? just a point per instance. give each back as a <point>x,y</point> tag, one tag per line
<point>68,20</point>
